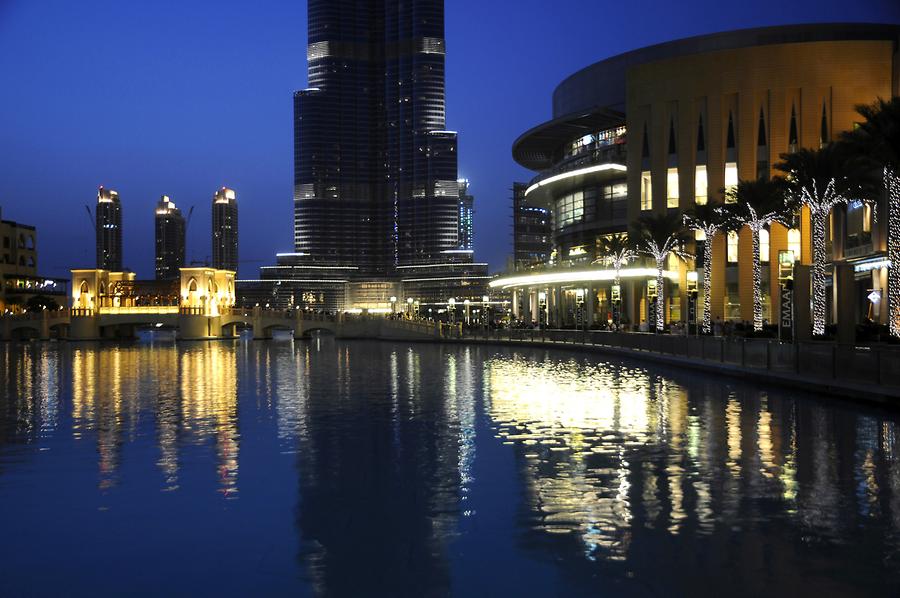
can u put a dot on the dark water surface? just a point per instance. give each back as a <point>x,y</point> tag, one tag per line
<point>376,469</point>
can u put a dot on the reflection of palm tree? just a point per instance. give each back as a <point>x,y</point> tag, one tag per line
<point>879,137</point>
<point>757,204</point>
<point>710,220</point>
<point>660,236</point>
<point>820,180</point>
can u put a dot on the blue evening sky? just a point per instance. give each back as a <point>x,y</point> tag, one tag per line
<point>181,97</point>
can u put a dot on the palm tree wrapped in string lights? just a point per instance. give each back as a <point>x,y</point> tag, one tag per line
<point>878,136</point>
<point>820,180</point>
<point>756,205</point>
<point>660,236</point>
<point>616,251</point>
<point>710,220</point>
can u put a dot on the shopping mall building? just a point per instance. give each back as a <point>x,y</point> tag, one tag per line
<point>673,125</point>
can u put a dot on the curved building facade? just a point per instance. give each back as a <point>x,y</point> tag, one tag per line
<point>673,125</point>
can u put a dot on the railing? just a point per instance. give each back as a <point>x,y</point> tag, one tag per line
<point>862,364</point>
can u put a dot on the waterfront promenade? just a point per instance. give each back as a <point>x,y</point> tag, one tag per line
<point>865,372</point>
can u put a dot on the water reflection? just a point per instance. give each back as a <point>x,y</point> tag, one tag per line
<point>613,457</point>
<point>390,469</point>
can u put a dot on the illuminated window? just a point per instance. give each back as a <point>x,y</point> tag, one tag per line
<point>732,247</point>
<point>672,188</point>
<point>764,245</point>
<point>569,209</point>
<point>731,178</point>
<point>646,191</point>
<point>794,242</point>
<point>701,185</point>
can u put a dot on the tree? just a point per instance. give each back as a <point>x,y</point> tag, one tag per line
<point>660,236</point>
<point>820,180</point>
<point>878,136</point>
<point>756,204</point>
<point>616,251</point>
<point>39,303</point>
<point>710,220</point>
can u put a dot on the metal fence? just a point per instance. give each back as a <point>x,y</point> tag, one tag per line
<point>873,364</point>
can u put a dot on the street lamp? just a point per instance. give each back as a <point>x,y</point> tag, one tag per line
<point>393,305</point>
<point>486,308</point>
<point>467,303</point>
<point>451,306</point>
<point>409,303</point>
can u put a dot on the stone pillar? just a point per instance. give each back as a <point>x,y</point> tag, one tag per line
<point>259,330</point>
<point>193,327</point>
<point>845,303</point>
<point>45,326</point>
<point>534,305</point>
<point>589,300</point>
<point>84,328</point>
<point>802,314</point>
<point>558,311</point>
<point>515,304</point>
<point>298,324</point>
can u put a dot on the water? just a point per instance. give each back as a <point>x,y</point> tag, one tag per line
<point>375,469</point>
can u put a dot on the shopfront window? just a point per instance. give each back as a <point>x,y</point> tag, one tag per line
<point>732,247</point>
<point>731,178</point>
<point>701,185</point>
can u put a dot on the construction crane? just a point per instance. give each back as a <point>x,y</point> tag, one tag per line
<point>91,217</point>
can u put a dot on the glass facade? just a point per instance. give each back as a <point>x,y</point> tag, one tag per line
<point>225,230</point>
<point>170,229</point>
<point>375,171</point>
<point>109,230</point>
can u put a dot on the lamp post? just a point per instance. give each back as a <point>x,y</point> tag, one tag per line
<point>486,308</point>
<point>451,307</point>
<point>409,303</point>
<point>467,303</point>
<point>393,305</point>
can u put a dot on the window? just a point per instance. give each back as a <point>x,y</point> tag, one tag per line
<point>764,245</point>
<point>732,247</point>
<point>672,188</point>
<point>646,191</point>
<point>701,185</point>
<point>794,242</point>
<point>569,209</point>
<point>731,177</point>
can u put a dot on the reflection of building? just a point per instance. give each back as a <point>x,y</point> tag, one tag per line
<point>225,230</point>
<point>532,230</point>
<point>109,230</point>
<point>375,170</point>
<point>18,269</point>
<point>169,239</point>
<point>700,114</point>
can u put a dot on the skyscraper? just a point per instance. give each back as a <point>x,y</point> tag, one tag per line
<point>169,239</point>
<point>376,212</point>
<point>375,171</point>
<point>466,217</point>
<point>109,230</point>
<point>225,230</point>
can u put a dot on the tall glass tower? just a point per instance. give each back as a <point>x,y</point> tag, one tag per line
<point>169,239</point>
<point>109,230</point>
<point>375,171</point>
<point>225,230</point>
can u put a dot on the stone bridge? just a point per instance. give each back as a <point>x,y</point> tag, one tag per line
<point>195,324</point>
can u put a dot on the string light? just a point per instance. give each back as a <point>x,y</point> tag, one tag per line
<point>756,223</point>
<point>820,206</point>
<point>660,254</point>
<point>892,184</point>
<point>709,228</point>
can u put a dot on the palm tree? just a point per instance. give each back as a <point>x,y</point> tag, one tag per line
<point>710,220</point>
<point>756,204</point>
<point>820,180</point>
<point>616,251</point>
<point>878,136</point>
<point>660,236</point>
